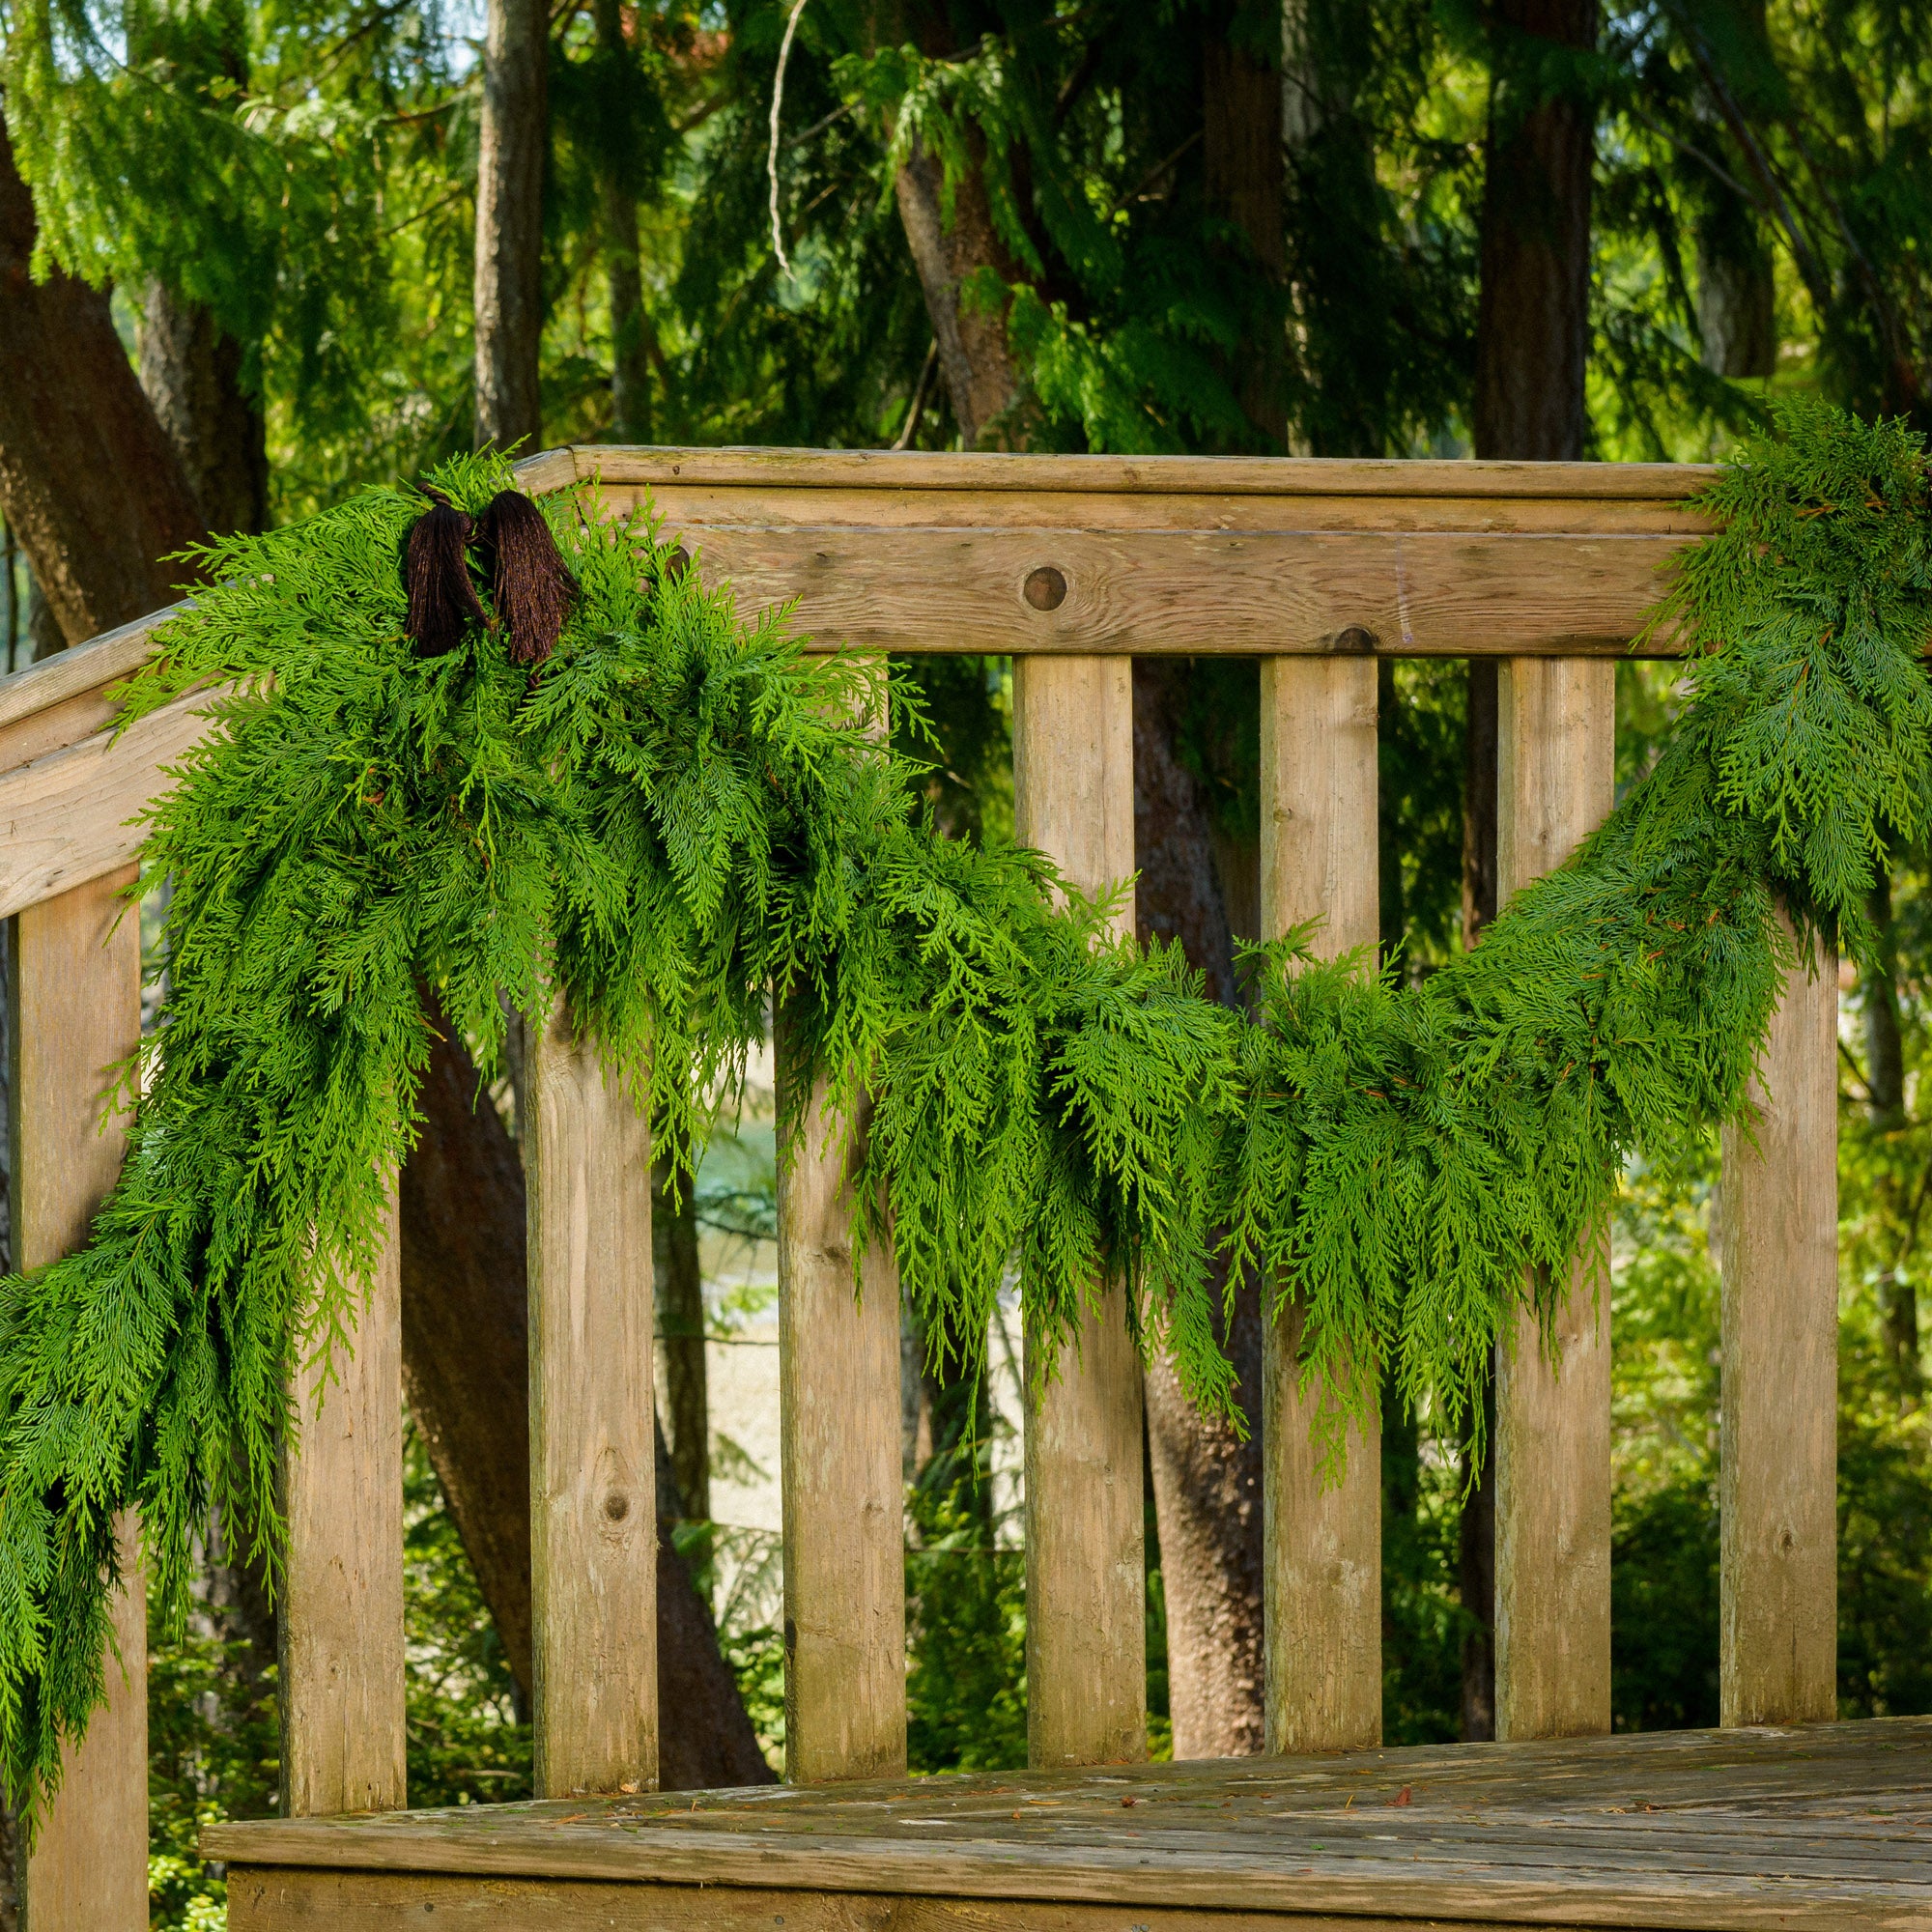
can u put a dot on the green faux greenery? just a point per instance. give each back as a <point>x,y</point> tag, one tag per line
<point>681,822</point>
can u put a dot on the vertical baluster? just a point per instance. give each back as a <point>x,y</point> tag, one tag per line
<point>843,1487</point>
<point>341,1624</point>
<point>844,1498</point>
<point>593,1471</point>
<point>1778,1482</point>
<point>1556,765</point>
<point>1321,1577</point>
<point>1074,798</point>
<point>76,1010</point>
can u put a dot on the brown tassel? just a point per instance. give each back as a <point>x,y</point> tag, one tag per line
<point>442,596</point>
<point>533,586</point>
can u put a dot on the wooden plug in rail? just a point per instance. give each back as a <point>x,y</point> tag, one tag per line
<point>1556,781</point>
<point>1073,799</point>
<point>593,1471</point>
<point>75,1002</point>
<point>1321,1539</point>
<point>1778,1459</point>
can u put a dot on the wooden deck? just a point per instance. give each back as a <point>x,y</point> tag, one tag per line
<point>1818,1829</point>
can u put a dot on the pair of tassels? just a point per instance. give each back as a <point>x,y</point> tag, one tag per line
<point>530,586</point>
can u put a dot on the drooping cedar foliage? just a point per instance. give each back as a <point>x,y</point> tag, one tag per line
<point>681,823</point>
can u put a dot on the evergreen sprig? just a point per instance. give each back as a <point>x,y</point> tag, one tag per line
<point>682,824</point>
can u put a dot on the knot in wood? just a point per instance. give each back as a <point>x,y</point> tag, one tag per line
<point>1045,588</point>
<point>617,1506</point>
<point>1355,642</point>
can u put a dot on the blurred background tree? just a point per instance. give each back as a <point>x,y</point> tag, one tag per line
<point>261,251</point>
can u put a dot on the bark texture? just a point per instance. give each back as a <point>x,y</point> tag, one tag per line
<point>1244,179</point>
<point>982,378</point>
<point>629,357</point>
<point>1533,305</point>
<point>465,1371</point>
<point>509,222</point>
<point>89,482</point>
<point>1736,296</point>
<point>191,371</point>
<point>1532,344</point>
<point>1206,1482</point>
<point>680,1324</point>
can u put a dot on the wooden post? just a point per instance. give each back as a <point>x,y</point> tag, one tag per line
<point>1086,1583</point>
<point>1323,1555</point>
<point>1557,781</point>
<point>593,1469</point>
<point>341,1625</point>
<point>1778,1485</point>
<point>843,1487</point>
<point>77,1012</point>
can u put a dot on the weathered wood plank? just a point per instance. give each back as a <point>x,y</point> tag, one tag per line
<point>840,1475</point>
<point>1321,1539</point>
<point>1214,476</point>
<point>1149,592</point>
<point>341,1624</point>
<point>593,1474</point>
<point>65,817</point>
<point>1777,1483</point>
<point>75,994</point>
<point>270,1900</point>
<point>1556,781</point>
<point>1074,798</point>
<point>94,665</point>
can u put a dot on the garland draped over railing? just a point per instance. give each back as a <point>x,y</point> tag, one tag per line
<point>679,821</point>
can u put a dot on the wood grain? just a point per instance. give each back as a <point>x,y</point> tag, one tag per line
<point>1321,1538</point>
<point>1777,1483</point>
<point>593,1479</point>
<point>272,1900</point>
<point>841,1480</point>
<point>1152,592</point>
<point>94,665</point>
<point>65,817</point>
<point>1556,781</point>
<point>1073,799</point>
<point>75,994</point>
<point>1222,475</point>
<point>341,1622</point>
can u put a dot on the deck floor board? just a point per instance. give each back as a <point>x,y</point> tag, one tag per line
<point>1808,1829</point>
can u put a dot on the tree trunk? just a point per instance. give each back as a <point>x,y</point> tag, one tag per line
<point>1533,306</point>
<point>1532,344</point>
<point>1737,296</point>
<point>1885,1087</point>
<point>982,379</point>
<point>1206,1482</point>
<point>1241,160</point>
<point>89,482</point>
<point>680,1299</point>
<point>629,357</point>
<point>465,1371</point>
<point>509,223</point>
<point>191,371</point>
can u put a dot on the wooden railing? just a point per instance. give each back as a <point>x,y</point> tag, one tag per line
<point>1072,565</point>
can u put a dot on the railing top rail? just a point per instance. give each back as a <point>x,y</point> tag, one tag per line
<point>1186,476</point>
<point>85,668</point>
